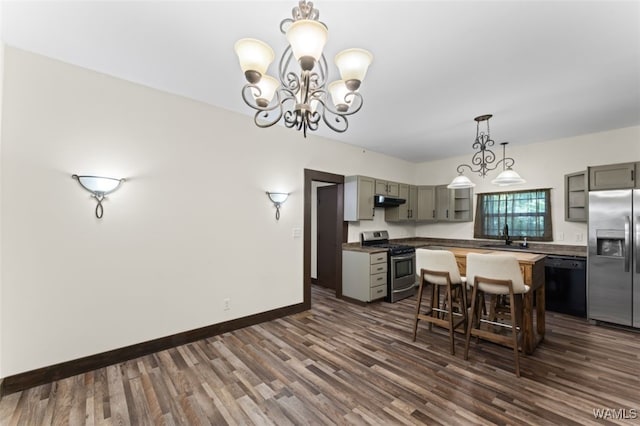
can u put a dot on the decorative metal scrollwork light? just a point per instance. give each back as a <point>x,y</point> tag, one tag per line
<point>484,159</point>
<point>301,93</point>
<point>98,186</point>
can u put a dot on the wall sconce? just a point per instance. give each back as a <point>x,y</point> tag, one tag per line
<point>277,198</point>
<point>98,186</point>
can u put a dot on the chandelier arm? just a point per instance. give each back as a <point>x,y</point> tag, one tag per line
<point>334,120</point>
<point>263,117</point>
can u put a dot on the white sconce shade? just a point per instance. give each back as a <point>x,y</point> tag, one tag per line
<point>277,198</point>
<point>255,56</point>
<point>307,38</point>
<point>353,64</point>
<point>268,86</point>
<point>461,182</point>
<point>338,92</point>
<point>508,177</point>
<point>98,186</point>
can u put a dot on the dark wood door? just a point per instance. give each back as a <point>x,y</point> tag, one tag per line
<point>327,238</point>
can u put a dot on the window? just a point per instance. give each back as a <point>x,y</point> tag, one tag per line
<point>527,213</point>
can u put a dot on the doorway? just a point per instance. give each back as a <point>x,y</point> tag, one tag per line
<point>326,238</point>
<point>335,226</point>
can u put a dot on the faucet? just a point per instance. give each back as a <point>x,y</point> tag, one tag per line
<point>505,234</point>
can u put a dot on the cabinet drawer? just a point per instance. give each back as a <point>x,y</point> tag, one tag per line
<point>378,279</point>
<point>378,292</point>
<point>378,258</point>
<point>378,268</point>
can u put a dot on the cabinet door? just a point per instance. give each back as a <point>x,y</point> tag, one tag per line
<point>403,209</point>
<point>358,198</point>
<point>612,176</point>
<point>393,189</point>
<point>443,200</point>
<point>381,187</point>
<point>575,197</point>
<point>426,204</point>
<point>413,202</point>
<point>365,198</point>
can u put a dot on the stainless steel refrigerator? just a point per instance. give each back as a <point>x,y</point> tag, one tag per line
<point>614,257</point>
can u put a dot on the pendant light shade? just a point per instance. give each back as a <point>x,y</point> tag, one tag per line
<point>307,38</point>
<point>461,182</point>
<point>508,177</point>
<point>254,56</point>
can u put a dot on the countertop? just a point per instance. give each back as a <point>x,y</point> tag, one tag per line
<point>492,245</point>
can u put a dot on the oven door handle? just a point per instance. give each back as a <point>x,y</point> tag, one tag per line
<point>411,256</point>
<point>398,290</point>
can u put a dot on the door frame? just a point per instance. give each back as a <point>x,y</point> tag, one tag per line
<point>341,228</point>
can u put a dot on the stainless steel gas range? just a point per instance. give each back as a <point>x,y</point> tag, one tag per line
<point>401,267</point>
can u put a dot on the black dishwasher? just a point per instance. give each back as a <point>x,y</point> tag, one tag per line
<point>566,285</point>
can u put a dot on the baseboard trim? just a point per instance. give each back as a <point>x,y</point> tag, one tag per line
<point>66,369</point>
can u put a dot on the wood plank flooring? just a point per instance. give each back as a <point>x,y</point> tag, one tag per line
<point>341,363</point>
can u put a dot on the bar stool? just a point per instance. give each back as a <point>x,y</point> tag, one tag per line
<point>439,269</point>
<point>498,276</point>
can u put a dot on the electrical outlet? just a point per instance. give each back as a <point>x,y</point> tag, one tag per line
<point>560,236</point>
<point>579,237</point>
<point>227,304</point>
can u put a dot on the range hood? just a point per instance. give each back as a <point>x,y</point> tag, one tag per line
<point>382,201</point>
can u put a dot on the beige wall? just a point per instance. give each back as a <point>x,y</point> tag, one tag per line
<point>190,227</point>
<point>543,165</point>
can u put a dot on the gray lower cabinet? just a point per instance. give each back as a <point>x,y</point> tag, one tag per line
<point>364,275</point>
<point>612,176</point>
<point>358,198</point>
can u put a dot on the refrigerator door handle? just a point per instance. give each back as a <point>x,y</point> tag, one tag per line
<point>627,253</point>
<point>637,241</point>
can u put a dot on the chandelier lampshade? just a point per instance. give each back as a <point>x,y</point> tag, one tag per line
<point>339,94</point>
<point>265,90</point>
<point>300,94</point>
<point>353,65</point>
<point>255,56</point>
<point>307,39</point>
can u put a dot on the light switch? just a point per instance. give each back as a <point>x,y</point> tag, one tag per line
<point>297,232</point>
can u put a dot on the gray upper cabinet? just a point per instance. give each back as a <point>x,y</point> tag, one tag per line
<point>426,203</point>
<point>612,176</point>
<point>358,198</point>
<point>575,197</point>
<point>454,205</point>
<point>390,189</point>
<point>404,212</point>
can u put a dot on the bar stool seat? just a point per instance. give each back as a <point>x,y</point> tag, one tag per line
<point>438,268</point>
<point>498,276</point>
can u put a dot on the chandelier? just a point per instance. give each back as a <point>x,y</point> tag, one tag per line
<point>484,160</point>
<point>301,91</point>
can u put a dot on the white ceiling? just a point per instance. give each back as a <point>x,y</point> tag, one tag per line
<point>544,69</point>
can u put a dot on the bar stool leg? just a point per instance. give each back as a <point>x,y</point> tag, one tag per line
<point>418,305</point>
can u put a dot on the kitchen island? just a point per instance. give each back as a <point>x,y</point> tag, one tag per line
<point>532,268</point>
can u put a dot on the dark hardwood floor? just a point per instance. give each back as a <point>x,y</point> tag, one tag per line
<point>341,363</point>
